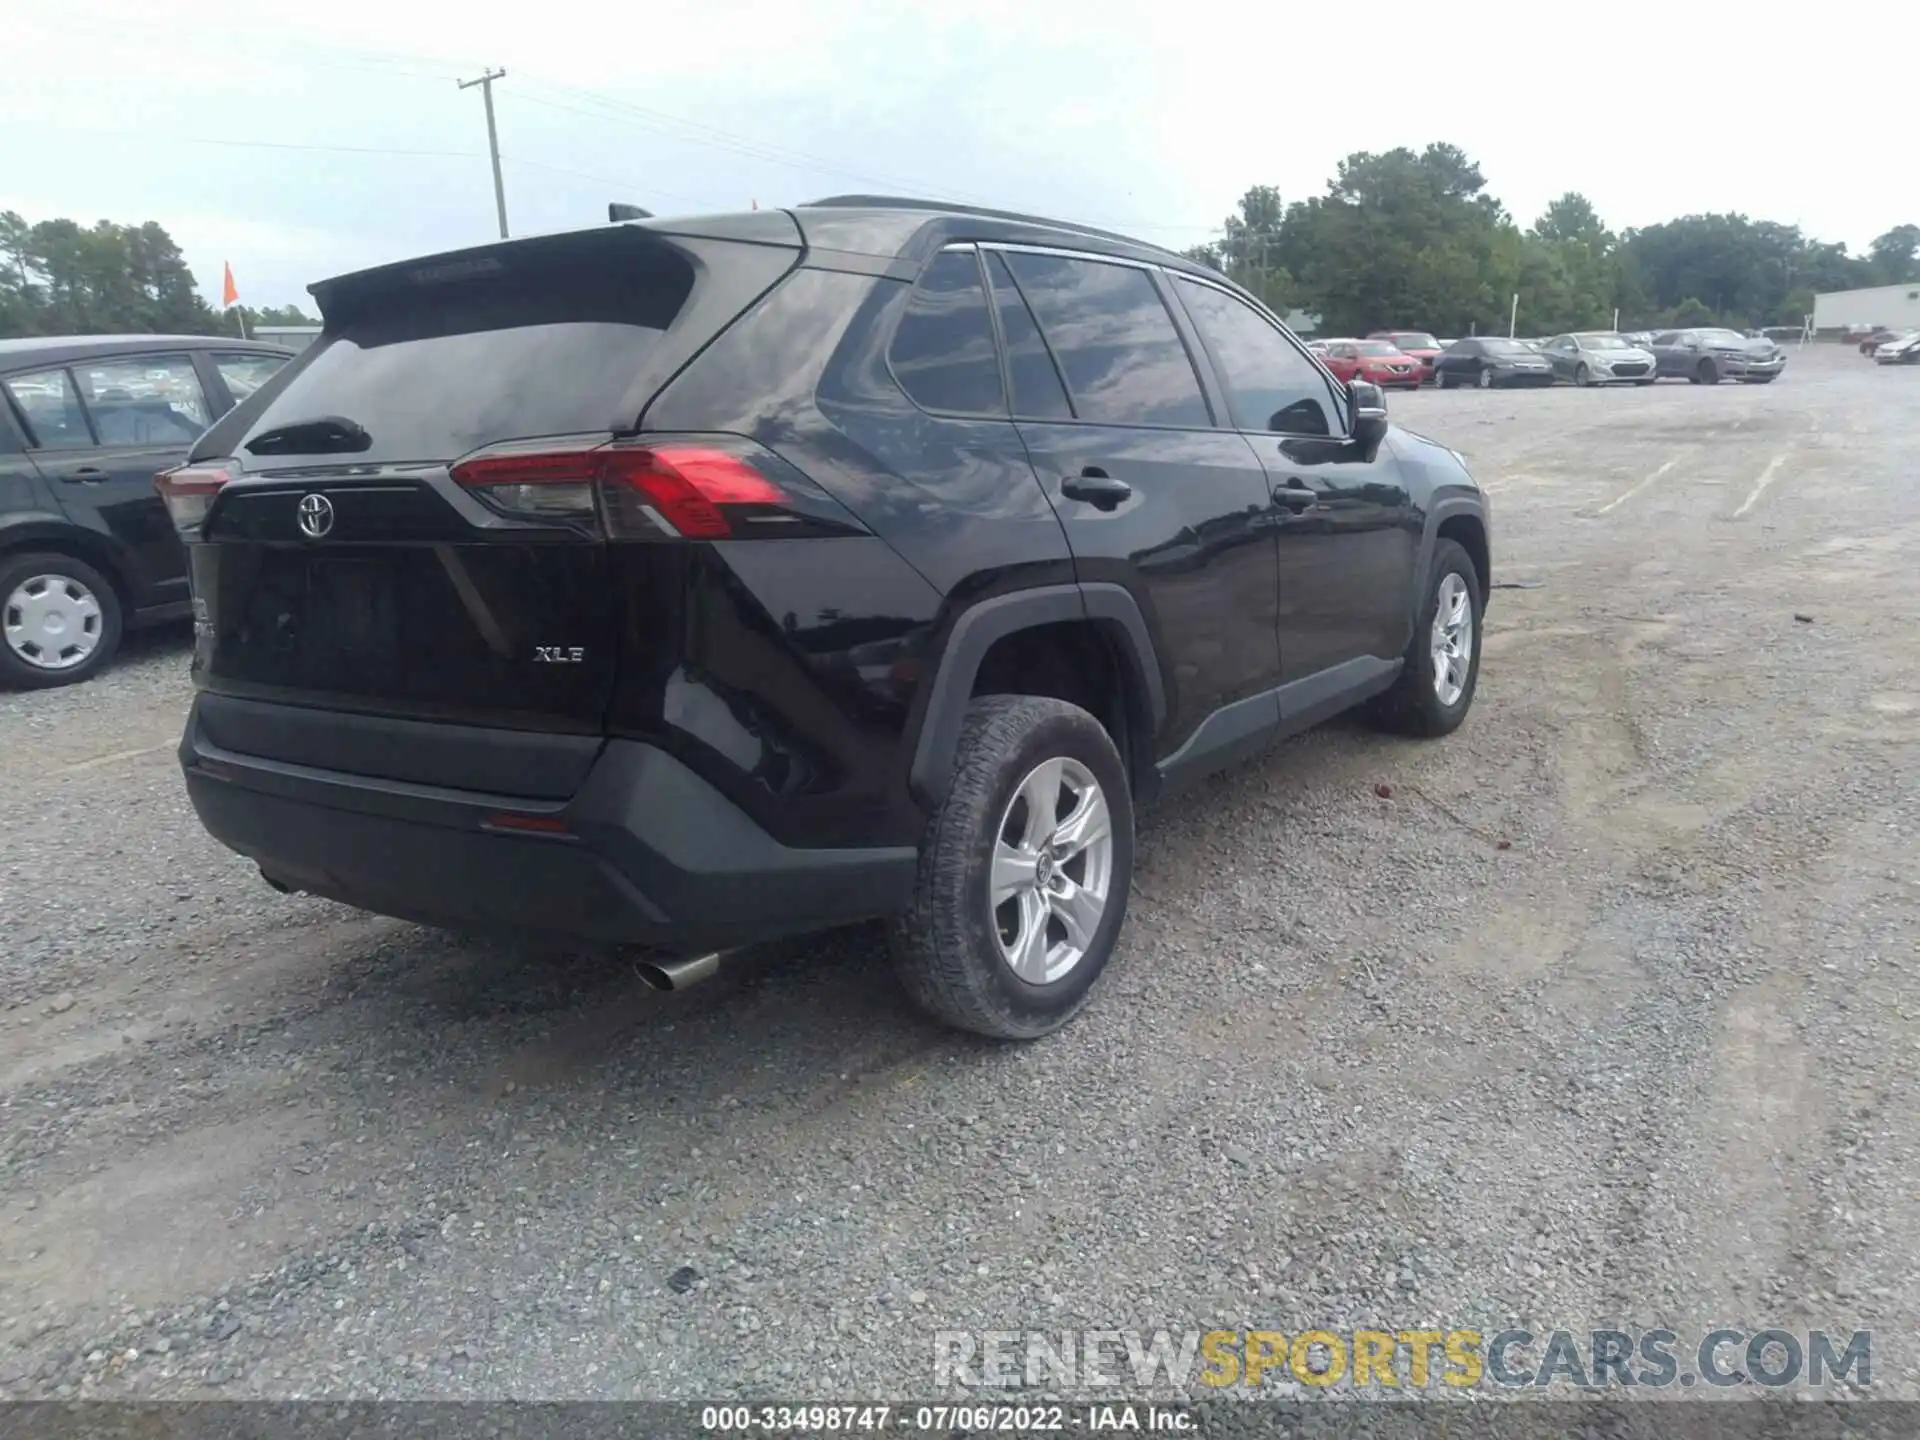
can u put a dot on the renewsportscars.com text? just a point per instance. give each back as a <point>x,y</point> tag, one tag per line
<point>1413,1358</point>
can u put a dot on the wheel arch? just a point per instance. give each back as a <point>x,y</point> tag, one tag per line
<point>1107,615</point>
<point>1461,517</point>
<point>46,533</point>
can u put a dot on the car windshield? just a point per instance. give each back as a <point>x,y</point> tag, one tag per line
<point>1505,347</point>
<point>1376,347</point>
<point>1603,342</point>
<point>1414,340</point>
<point>1723,337</point>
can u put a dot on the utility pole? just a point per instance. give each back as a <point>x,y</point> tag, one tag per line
<point>485,82</point>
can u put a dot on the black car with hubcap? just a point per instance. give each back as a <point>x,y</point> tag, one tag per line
<point>773,571</point>
<point>86,548</point>
<point>1491,362</point>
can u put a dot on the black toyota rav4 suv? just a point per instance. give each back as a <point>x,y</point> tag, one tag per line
<point>693,582</point>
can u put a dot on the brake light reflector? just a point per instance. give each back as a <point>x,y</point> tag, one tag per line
<point>684,487</point>
<point>189,490</point>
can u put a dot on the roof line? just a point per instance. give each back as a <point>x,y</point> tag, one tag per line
<point>947,207</point>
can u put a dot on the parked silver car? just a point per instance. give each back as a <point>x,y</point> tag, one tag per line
<point>1599,357</point>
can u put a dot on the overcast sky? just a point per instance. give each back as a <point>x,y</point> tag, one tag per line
<point>269,136</point>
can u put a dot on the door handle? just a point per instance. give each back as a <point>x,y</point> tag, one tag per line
<point>1295,494</point>
<point>1096,488</point>
<point>86,475</point>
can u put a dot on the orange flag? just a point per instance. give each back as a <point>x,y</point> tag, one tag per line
<point>228,293</point>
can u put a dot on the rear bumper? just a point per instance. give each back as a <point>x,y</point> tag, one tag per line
<point>644,852</point>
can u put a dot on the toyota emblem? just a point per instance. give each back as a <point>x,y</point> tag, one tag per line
<point>315,515</point>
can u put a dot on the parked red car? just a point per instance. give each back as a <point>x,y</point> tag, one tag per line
<point>1380,361</point>
<point>1417,343</point>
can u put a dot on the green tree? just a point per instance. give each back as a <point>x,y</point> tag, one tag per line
<point>1895,256</point>
<point>1402,239</point>
<point>1690,312</point>
<point>1249,253</point>
<point>59,277</point>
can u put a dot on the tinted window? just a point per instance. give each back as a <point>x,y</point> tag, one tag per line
<point>1270,385</point>
<point>434,370</point>
<point>51,409</point>
<point>143,399</point>
<point>1124,362</point>
<point>943,351</point>
<point>245,374</point>
<point>1037,390</point>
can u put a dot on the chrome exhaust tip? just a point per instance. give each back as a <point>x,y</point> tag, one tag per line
<point>668,975</point>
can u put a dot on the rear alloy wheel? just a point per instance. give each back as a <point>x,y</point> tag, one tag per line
<point>60,620</point>
<point>1024,872</point>
<point>1441,668</point>
<point>1583,376</point>
<point>1486,379</point>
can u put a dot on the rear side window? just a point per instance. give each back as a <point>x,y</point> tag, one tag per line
<point>541,344</point>
<point>1037,391</point>
<point>1270,385</point>
<point>51,408</point>
<point>943,351</point>
<point>144,399</point>
<point>1124,362</point>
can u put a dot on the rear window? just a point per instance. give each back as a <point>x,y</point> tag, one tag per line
<point>432,369</point>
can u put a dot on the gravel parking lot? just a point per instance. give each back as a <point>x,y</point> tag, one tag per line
<point>1598,1012</point>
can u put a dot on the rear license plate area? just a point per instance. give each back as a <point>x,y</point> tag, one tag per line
<point>352,617</point>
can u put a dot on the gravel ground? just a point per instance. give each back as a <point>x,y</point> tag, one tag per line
<point>1600,1016</point>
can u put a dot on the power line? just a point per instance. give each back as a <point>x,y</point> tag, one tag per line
<point>606,107</point>
<point>260,144</point>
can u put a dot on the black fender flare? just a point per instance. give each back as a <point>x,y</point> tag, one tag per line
<point>974,632</point>
<point>1444,507</point>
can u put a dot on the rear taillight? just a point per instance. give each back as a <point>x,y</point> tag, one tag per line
<point>189,490</point>
<point>695,490</point>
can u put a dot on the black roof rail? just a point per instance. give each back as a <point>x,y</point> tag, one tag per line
<point>904,202</point>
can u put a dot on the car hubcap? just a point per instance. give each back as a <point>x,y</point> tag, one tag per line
<point>1486,379</point>
<point>53,622</point>
<point>1052,869</point>
<point>1452,639</point>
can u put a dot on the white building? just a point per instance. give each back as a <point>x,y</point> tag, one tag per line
<point>1895,306</point>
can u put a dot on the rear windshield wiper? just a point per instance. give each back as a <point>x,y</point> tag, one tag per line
<point>328,435</point>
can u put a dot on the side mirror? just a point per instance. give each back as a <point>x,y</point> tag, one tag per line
<point>1369,412</point>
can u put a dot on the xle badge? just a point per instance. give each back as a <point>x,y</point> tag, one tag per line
<point>559,654</point>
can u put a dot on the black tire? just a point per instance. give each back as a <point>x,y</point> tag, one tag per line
<point>1486,379</point>
<point>1413,706</point>
<point>945,951</point>
<point>16,670</point>
<point>1706,373</point>
<point>1444,380</point>
<point>1582,376</point>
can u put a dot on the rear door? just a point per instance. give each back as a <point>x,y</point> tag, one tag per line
<point>1152,495</point>
<point>347,568</point>
<point>1343,516</point>
<point>101,430</point>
